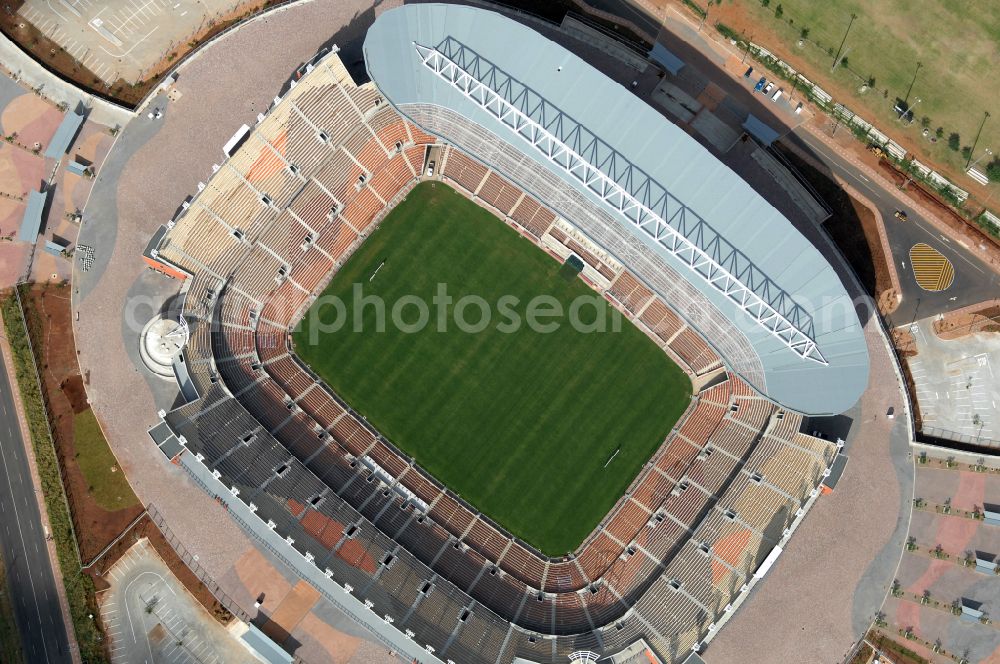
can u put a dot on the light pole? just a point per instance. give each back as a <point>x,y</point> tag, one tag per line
<point>843,41</point>
<point>986,114</point>
<point>986,153</point>
<point>703,19</point>
<point>912,81</point>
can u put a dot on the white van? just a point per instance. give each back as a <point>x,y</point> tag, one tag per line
<point>777,95</point>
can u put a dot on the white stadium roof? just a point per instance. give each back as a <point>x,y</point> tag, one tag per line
<point>756,289</point>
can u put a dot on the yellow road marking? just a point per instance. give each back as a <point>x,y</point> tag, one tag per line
<point>931,269</point>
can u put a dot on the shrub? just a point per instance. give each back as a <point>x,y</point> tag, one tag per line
<point>79,586</point>
<point>993,170</point>
<point>696,8</point>
<point>727,32</point>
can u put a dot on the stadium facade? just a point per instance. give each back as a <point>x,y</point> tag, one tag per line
<point>730,290</point>
<point>496,88</point>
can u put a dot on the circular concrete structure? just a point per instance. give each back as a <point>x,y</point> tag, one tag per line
<point>160,342</point>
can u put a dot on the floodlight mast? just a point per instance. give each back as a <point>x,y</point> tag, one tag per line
<point>614,195</point>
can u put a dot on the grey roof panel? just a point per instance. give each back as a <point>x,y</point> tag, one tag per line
<point>64,135</point>
<point>643,152</point>
<point>31,222</point>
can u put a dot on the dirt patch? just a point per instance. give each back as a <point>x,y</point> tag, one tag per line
<point>904,341</point>
<point>48,313</point>
<point>959,324</point>
<point>158,634</point>
<point>75,393</point>
<point>943,211</point>
<point>897,652</point>
<point>782,37</point>
<point>54,57</point>
<point>911,390</point>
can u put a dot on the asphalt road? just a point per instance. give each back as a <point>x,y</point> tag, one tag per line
<point>974,281</point>
<point>30,580</point>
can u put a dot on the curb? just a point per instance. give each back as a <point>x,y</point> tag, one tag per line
<point>864,200</point>
<point>50,546</point>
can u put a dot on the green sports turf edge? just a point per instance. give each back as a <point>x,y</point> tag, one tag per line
<point>445,398</point>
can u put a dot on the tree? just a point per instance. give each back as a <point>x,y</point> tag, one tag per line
<point>765,3</point>
<point>954,141</point>
<point>843,61</point>
<point>993,170</point>
<point>966,151</point>
<point>925,122</point>
<point>779,11</point>
<point>939,132</point>
<point>804,33</point>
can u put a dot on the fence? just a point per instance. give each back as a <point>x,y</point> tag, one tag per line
<point>864,129</point>
<point>189,560</point>
<point>48,418</point>
<point>958,437</point>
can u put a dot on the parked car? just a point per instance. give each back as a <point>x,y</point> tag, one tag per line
<point>777,95</point>
<point>768,87</point>
<point>760,84</point>
<point>798,109</point>
<point>747,73</point>
<point>430,170</point>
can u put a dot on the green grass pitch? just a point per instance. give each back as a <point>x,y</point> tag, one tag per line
<point>520,424</point>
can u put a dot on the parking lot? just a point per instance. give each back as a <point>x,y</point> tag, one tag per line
<point>957,383</point>
<point>122,39</point>
<point>150,617</point>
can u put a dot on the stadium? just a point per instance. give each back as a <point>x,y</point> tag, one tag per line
<point>580,172</point>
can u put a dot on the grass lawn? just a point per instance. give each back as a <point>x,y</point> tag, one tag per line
<point>519,423</point>
<point>106,480</point>
<point>956,42</point>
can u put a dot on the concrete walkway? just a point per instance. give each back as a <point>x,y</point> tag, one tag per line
<point>22,67</point>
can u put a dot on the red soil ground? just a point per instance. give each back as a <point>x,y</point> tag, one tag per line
<point>49,317</point>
